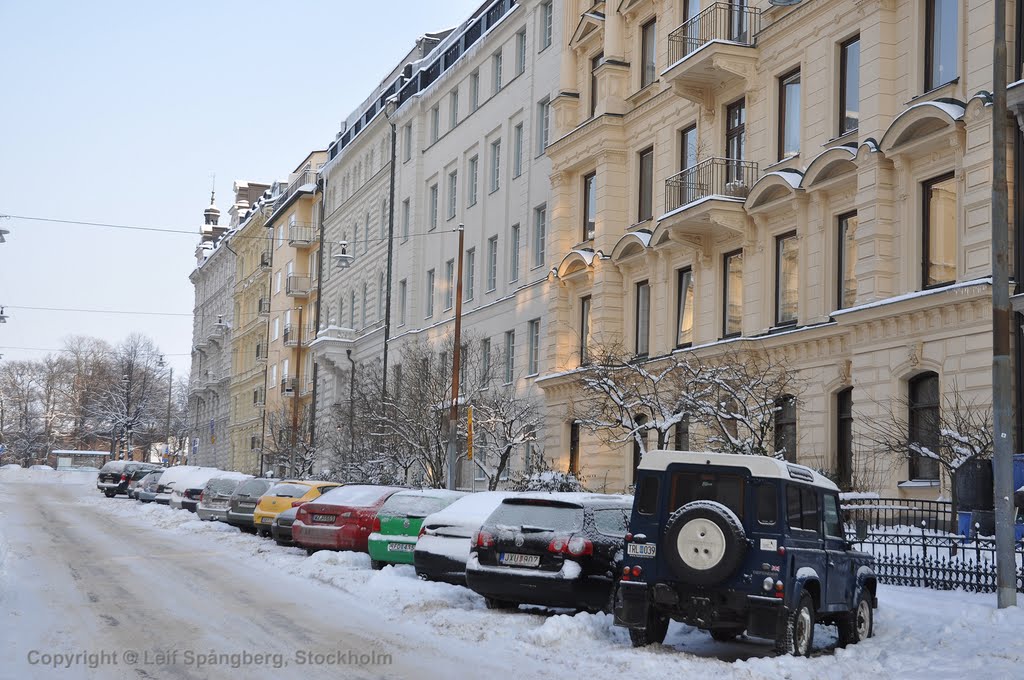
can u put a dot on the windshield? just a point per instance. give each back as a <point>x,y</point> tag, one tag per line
<point>550,517</point>
<point>288,490</point>
<point>253,487</point>
<point>224,487</point>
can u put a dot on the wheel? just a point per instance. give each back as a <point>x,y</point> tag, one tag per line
<point>858,624</point>
<point>262,533</point>
<point>796,634</point>
<point>310,551</point>
<point>492,603</point>
<point>109,494</point>
<point>654,633</point>
<point>376,565</point>
<point>704,543</point>
<point>725,634</point>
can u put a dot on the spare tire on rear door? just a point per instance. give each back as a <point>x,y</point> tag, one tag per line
<point>704,542</point>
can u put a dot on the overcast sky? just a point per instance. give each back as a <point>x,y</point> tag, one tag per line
<point>120,112</point>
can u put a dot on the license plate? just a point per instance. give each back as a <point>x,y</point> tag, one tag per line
<point>324,518</point>
<point>246,506</point>
<point>641,549</point>
<point>401,547</point>
<point>266,520</point>
<point>519,560</point>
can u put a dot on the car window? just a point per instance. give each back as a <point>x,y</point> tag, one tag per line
<point>647,496</point>
<point>612,521</point>
<point>802,508</point>
<point>222,486</point>
<point>288,490</point>
<point>416,505</point>
<point>833,522</point>
<point>551,517</point>
<point>253,487</point>
<point>767,503</point>
<point>726,489</point>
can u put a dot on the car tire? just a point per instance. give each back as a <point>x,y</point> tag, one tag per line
<point>858,624</point>
<point>109,494</point>
<point>654,633</point>
<point>376,565</point>
<point>704,543</point>
<point>310,551</point>
<point>493,603</point>
<point>796,634</point>
<point>725,634</point>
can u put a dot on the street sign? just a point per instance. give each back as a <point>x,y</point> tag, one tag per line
<point>469,432</point>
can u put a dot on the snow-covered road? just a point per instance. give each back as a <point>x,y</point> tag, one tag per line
<point>82,573</point>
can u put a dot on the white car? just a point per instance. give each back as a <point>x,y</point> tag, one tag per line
<point>167,480</point>
<point>186,490</point>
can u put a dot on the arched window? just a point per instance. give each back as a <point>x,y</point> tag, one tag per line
<point>923,419</point>
<point>785,427</point>
<point>384,219</point>
<point>844,438</point>
<point>341,309</point>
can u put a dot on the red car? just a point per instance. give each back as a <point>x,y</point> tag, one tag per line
<point>341,519</point>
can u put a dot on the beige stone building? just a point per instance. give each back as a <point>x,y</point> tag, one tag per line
<point>814,180</point>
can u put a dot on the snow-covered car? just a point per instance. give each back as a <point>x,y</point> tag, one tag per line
<point>10,466</point>
<point>171,476</point>
<point>283,495</point>
<point>397,525</point>
<point>146,491</point>
<point>216,495</point>
<point>115,475</point>
<point>443,546</point>
<point>243,502</point>
<point>186,491</point>
<point>41,467</point>
<point>135,478</point>
<point>731,543</point>
<point>550,549</point>
<point>341,519</point>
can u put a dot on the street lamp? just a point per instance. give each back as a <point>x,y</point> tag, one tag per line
<point>389,110</point>
<point>3,317</point>
<point>170,386</point>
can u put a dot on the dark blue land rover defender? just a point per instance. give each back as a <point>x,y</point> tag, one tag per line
<point>734,544</point>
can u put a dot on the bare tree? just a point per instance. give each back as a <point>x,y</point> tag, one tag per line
<point>504,422</point>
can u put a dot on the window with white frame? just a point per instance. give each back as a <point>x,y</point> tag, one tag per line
<point>403,293</point>
<point>474,91</point>
<point>453,181</point>
<point>485,361</point>
<point>277,328</point>
<point>513,259</point>
<point>362,312</point>
<point>473,168</point>
<point>540,234</point>
<point>642,335</point>
<point>510,356</point>
<point>380,297</point>
<point>520,51</point>
<point>406,141</point>
<point>352,309</point>
<point>433,206</point>
<point>786,281</point>
<point>435,123</point>
<point>406,216</point>
<point>449,286</point>
<point>495,165</point>
<point>430,294</point>
<point>496,72</point>
<point>543,124</point>
<point>517,150</point>
<point>547,15</point>
<point>277,281</point>
<point>648,53</point>
<point>492,263</point>
<point>470,274</point>
<point>453,109</point>
<point>533,347</point>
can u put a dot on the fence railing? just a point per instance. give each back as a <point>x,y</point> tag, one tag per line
<point>300,234</point>
<point>727,177</point>
<point>297,284</point>
<point>727,21</point>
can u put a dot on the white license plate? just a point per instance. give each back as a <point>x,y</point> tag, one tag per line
<point>401,547</point>
<point>641,549</point>
<point>519,560</point>
<point>246,506</point>
<point>324,518</point>
<point>266,520</point>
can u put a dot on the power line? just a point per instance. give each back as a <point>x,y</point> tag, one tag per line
<point>97,311</point>
<point>88,351</point>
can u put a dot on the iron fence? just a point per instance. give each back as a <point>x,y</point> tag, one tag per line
<point>726,177</point>
<point>724,21</point>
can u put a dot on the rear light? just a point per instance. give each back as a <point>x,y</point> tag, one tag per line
<point>782,550</point>
<point>558,545</point>
<point>201,495</point>
<point>637,571</point>
<point>423,530</point>
<point>580,546</point>
<point>629,537</point>
<point>483,539</point>
<point>296,504</point>
<point>376,524</point>
<point>124,478</point>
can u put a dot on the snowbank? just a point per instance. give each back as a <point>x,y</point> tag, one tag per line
<point>26,476</point>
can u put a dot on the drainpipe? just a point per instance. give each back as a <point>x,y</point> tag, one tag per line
<point>351,409</point>
<point>316,317</point>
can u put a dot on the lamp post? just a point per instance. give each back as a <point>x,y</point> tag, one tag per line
<point>453,413</point>
<point>389,110</point>
<point>127,415</point>
<point>167,426</point>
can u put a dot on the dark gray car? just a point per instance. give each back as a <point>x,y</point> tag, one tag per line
<point>147,488</point>
<point>216,497</point>
<point>243,502</point>
<point>281,529</point>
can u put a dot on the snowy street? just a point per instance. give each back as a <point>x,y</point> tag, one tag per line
<point>152,592</point>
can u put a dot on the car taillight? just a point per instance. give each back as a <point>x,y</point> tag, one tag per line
<point>296,504</point>
<point>376,524</point>
<point>423,530</point>
<point>637,571</point>
<point>571,545</point>
<point>124,478</point>
<point>629,537</point>
<point>201,495</point>
<point>558,544</point>
<point>483,539</point>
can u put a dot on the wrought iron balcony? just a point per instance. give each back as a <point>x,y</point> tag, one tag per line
<point>300,234</point>
<point>297,285</point>
<point>291,336</point>
<point>708,195</point>
<point>265,259</point>
<point>289,384</point>
<point>263,307</point>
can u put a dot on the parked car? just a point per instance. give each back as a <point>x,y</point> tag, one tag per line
<point>243,502</point>
<point>443,546</point>
<point>186,491</point>
<point>146,490</point>
<point>731,543</point>
<point>115,475</point>
<point>281,528</point>
<point>136,476</point>
<point>550,549</point>
<point>341,519</point>
<point>171,476</point>
<point>397,524</point>
<point>282,496</point>
<point>216,495</point>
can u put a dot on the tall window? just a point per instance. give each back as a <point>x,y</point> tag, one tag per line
<point>496,72</point>
<point>844,437</point>
<point>520,51</point>
<point>495,165</point>
<point>510,356</point>
<point>513,259</point>
<point>785,427</point>
<point>732,323</point>
<point>846,266</point>
<point>405,219</point>
<point>407,141</point>
<point>941,38</point>
<point>645,182</point>
<point>453,182</point>
<point>352,309</point>
<point>517,150</point>
<point>430,293</point>
<point>594,63</point>
<point>433,207</point>
<point>384,218</point>
<point>435,123</point>
<point>453,109</point>
<point>492,263</point>
<point>735,137</point>
<point>470,273</point>
<point>403,298</point>
<point>362,311</point>
<point>533,348</point>
<point>540,234</point>
<point>380,297</point>
<point>585,330</point>
<point>449,287</point>
<point>789,114</point>
<point>648,53</point>
<point>547,14</point>
<point>474,165</point>
<point>849,85</point>
<point>939,237</point>
<point>688,147</point>
<point>643,318</point>
<point>485,361</point>
<point>574,448</point>
<point>924,425</point>
<point>543,124</point>
<point>589,205</point>
<point>786,283</point>
<point>474,91</point>
<point>682,434</point>
<point>684,310</point>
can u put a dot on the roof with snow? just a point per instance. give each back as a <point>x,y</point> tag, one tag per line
<point>758,466</point>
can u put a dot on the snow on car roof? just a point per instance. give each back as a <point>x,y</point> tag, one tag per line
<point>759,466</point>
<point>199,478</point>
<point>580,497</point>
<point>470,511</point>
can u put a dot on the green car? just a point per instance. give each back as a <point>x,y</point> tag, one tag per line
<point>397,525</point>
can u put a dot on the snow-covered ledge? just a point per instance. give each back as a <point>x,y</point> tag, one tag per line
<point>1015,101</point>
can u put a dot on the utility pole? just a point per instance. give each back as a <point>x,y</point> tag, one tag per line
<point>390,108</point>
<point>167,428</point>
<point>351,411</point>
<point>295,399</point>
<point>453,413</point>
<point>1002,459</point>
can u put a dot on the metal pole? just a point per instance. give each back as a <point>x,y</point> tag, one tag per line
<point>295,399</point>
<point>167,428</point>
<point>351,410</point>
<point>1002,461</point>
<point>391,246</point>
<point>453,413</point>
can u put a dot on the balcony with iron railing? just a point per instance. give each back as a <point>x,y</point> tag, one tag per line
<point>304,181</point>
<point>708,197</point>
<point>291,335</point>
<point>298,285</point>
<point>332,344</point>
<point>263,307</point>
<point>712,48</point>
<point>266,257</point>
<point>310,333</point>
<point>289,385</point>
<point>301,234</point>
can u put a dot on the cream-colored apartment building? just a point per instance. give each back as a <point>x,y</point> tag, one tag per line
<point>814,180</point>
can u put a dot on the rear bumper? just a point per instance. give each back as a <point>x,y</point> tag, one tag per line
<point>117,487</point>
<point>189,505</point>
<point>440,567</point>
<point>529,586</point>
<point>348,537</point>
<point>377,545</point>
<point>282,534</point>
<point>212,514</point>
<point>162,498</point>
<point>145,496</point>
<point>239,519</point>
